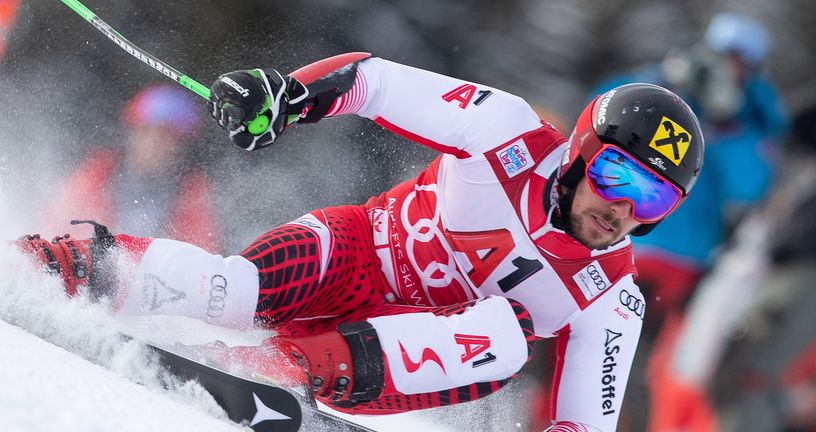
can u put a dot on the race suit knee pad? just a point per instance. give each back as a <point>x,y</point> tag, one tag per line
<point>177,278</point>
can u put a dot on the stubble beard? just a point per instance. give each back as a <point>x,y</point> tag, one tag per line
<point>588,236</point>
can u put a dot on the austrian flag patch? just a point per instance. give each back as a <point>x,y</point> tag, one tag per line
<point>515,158</point>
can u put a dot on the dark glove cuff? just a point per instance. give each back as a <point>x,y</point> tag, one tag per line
<point>324,91</point>
<point>321,104</point>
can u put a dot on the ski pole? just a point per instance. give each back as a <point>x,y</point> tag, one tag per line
<point>255,127</point>
<point>137,52</point>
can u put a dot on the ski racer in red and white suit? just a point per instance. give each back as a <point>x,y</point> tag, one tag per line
<point>431,293</point>
<point>475,223</point>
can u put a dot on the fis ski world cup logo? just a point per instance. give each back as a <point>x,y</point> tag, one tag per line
<point>671,140</point>
<point>514,159</point>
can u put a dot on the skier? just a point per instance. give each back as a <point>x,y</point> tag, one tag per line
<point>431,293</point>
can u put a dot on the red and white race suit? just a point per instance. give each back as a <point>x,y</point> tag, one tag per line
<point>453,245</point>
<point>473,224</point>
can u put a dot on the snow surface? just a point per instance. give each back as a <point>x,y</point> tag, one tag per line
<point>45,388</point>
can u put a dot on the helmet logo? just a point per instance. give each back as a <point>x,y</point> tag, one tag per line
<point>658,162</point>
<point>601,116</point>
<point>671,140</point>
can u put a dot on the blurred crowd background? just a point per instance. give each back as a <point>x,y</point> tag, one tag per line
<point>729,341</point>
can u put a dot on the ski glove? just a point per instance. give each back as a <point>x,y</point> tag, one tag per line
<point>255,106</point>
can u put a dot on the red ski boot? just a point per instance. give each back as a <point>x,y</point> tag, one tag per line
<point>89,263</point>
<point>341,367</point>
<point>345,367</point>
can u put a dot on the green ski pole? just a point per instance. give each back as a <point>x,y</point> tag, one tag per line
<point>137,52</point>
<point>256,127</point>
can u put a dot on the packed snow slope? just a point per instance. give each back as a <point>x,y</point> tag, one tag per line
<point>46,388</point>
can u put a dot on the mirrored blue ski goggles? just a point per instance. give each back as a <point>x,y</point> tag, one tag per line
<point>615,175</point>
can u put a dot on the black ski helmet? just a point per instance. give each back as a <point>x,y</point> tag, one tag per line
<point>648,122</point>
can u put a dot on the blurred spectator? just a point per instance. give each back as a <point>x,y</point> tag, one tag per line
<point>8,12</point>
<point>746,355</point>
<point>145,186</point>
<point>743,119</point>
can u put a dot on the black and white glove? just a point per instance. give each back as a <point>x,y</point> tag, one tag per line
<point>255,106</point>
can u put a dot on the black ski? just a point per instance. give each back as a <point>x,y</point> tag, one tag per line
<point>262,406</point>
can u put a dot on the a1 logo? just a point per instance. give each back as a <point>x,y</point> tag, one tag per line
<point>464,93</point>
<point>475,345</point>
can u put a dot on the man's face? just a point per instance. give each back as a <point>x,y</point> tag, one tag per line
<point>596,222</point>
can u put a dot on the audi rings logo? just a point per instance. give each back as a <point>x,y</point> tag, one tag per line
<point>596,277</point>
<point>421,230</point>
<point>218,296</point>
<point>592,280</point>
<point>633,303</point>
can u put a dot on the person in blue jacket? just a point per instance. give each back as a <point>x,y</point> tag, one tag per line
<point>743,119</point>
